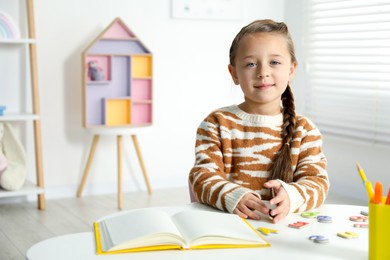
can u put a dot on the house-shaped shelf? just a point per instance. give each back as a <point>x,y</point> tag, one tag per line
<point>117,79</point>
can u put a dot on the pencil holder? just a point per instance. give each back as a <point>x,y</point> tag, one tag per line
<point>379,230</point>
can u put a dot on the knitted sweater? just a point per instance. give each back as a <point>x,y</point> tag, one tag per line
<point>234,151</point>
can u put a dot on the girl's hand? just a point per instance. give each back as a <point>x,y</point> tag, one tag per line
<point>281,200</point>
<point>248,204</point>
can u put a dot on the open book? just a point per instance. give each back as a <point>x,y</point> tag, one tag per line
<point>153,229</point>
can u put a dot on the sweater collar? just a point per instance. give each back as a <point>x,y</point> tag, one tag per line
<point>276,120</point>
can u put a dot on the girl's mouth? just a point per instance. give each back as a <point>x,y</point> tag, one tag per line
<point>264,85</point>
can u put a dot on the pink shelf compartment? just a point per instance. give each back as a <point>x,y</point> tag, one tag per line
<point>104,63</point>
<point>141,89</point>
<point>141,113</point>
<point>118,31</point>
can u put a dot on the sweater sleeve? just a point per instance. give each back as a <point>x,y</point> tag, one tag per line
<point>210,182</point>
<point>310,181</point>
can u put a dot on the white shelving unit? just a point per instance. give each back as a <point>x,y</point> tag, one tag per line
<point>23,106</point>
<point>19,117</point>
<point>29,188</point>
<point>17,41</point>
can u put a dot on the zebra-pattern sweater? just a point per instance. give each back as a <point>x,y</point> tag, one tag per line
<point>234,151</point>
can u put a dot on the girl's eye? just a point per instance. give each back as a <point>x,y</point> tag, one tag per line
<point>274,62</point>
<point>251,65</point>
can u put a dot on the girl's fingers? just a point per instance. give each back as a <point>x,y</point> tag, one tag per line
<point>247,208</point>
<point>272,184</point>
<point>239,213</point>
<point>249,213</point>
<point>277,199</point>
<point>280,212</point>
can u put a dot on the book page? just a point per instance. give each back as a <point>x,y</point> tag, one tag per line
<point>212,228</point>
<point>139,228</point>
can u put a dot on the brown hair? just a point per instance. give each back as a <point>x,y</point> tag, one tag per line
<point>281,167</point>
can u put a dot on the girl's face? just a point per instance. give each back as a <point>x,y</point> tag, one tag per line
<point>263,68</point>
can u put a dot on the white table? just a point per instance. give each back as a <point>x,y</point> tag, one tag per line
<point>289,243</point>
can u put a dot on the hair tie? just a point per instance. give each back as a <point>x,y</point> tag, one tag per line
<point>288,144</point>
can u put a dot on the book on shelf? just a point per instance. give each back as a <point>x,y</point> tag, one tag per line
<point>151,229</point>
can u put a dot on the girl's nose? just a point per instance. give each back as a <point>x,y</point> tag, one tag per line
<point>262,75</point>
<point>262,72</point>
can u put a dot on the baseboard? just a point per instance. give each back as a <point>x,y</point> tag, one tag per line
<point>90,189</point>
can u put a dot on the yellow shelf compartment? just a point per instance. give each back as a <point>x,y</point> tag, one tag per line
<point>141,66</point>
<point>117,111</point>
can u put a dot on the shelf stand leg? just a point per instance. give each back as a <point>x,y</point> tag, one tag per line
<point>88,166</point>
<point>120,179</point>
<point>120,171</point>
<point>141,162</point>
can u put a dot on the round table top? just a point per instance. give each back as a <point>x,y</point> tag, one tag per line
<point>287,243</point>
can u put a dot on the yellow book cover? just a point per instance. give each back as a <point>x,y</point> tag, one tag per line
<point>153,229</point>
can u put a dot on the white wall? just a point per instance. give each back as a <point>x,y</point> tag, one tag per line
<point>190,80</point>
<point>342,155</point>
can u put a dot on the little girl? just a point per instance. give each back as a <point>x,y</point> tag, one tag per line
<point>260,149</point>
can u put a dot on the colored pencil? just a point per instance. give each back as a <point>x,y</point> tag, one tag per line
<point>388,198</point>
<point>367,184</point>
<point>377,199</point>
<point>361,172</point>
<point>370,190</point>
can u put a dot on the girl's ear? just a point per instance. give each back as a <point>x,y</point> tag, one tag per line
<point>233,73</point>
<point>292,70</point>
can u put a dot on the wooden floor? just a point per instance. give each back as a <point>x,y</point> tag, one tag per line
<point>23,225</point>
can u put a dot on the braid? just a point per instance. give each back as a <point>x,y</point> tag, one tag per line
<point>281,168</point>
<point>288,114</point>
